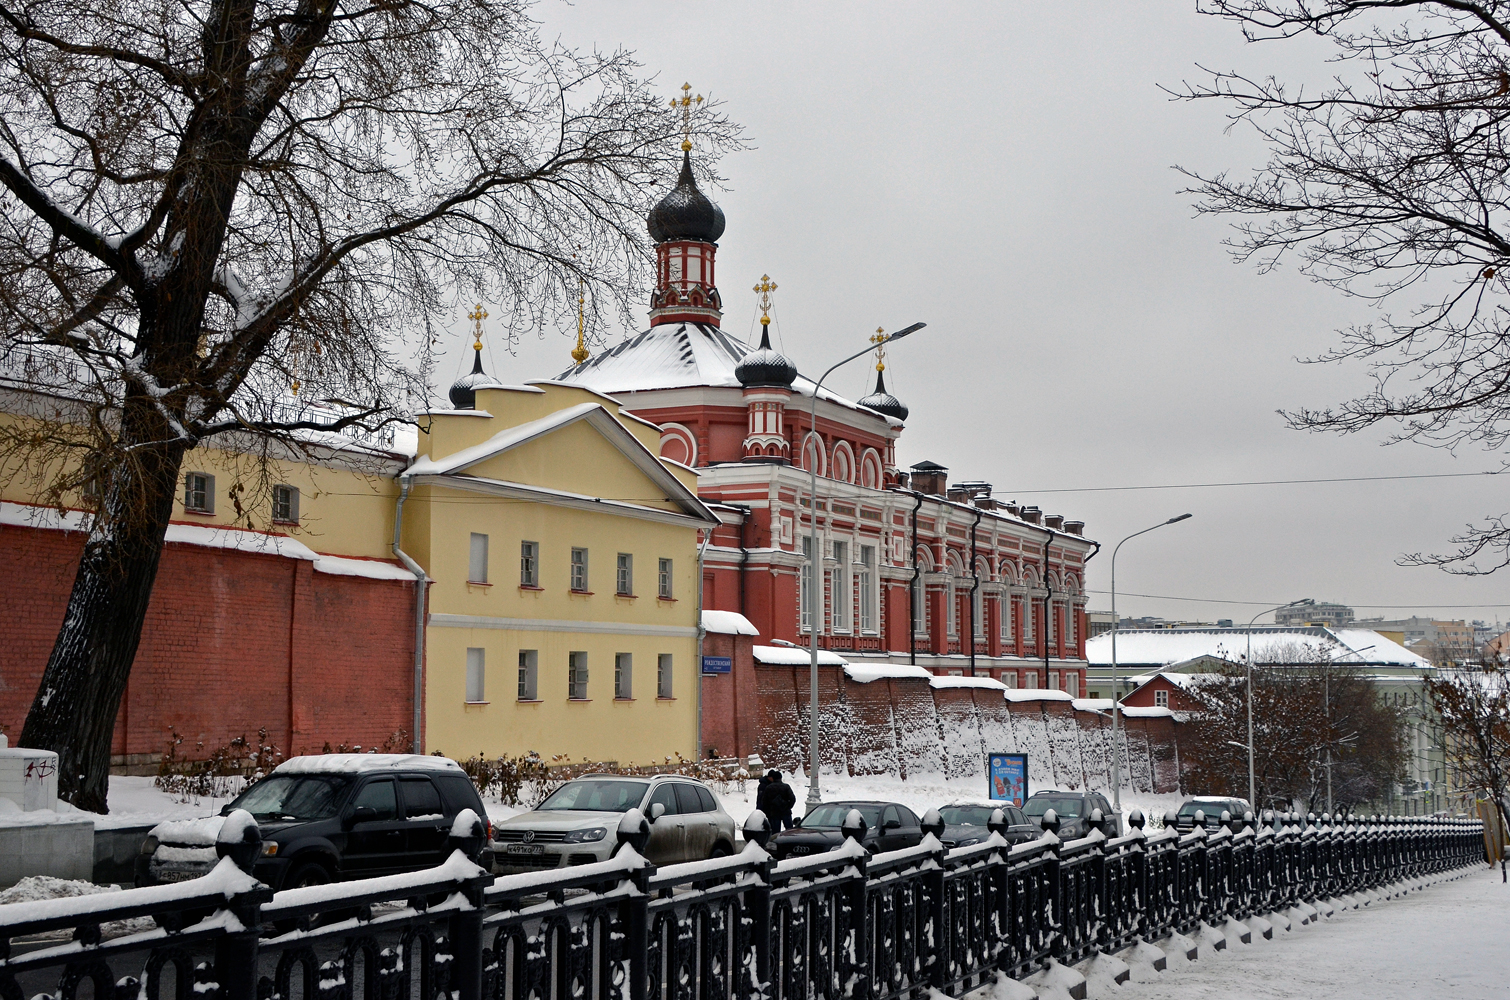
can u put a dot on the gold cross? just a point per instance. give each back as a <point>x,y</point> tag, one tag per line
<point>686,102</point>
<point>880,341</point>
<point>765,288</point>
<point>477,315</point>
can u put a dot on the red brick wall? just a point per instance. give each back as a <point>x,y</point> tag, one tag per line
<point>731,702</point>
<point>233,642</point>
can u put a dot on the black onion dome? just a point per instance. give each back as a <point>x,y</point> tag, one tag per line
<point>464,390</point>
<point>884,402</point>
<point>765,367</point>
<point>686,213</point>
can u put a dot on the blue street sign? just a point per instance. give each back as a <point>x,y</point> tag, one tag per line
<point>717,664</point>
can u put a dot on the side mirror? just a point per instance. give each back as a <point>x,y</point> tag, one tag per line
<point>225,810</point>
<point>657,810</point>
<point>361,814</point>
<point>892,824</point>
<point>797,822</point>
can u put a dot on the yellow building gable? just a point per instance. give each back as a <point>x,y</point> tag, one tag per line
<point>564,559</point>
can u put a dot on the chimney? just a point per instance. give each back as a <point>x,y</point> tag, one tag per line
<point>1055,521</point>
<point>1013,508</point>
<point>1032,515</point>
<point>1075,527</point>
<point>930,478</point>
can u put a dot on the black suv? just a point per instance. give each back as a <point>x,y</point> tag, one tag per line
<point>1074,811</point>
<point>965,823</point>
<point>1213,806</point>
<point>328,817</point>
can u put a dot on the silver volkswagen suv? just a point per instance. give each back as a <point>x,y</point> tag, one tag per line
<point>578,824</point>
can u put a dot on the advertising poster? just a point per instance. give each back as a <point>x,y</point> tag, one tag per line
<point>1008,773</point>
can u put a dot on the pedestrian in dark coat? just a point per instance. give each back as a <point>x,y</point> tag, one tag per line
<point>780,799</point>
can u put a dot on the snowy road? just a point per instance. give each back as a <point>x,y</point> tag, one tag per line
<point>1445,942</point>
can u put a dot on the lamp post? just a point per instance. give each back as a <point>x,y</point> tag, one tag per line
<point>814,607</point>
<point>1252,785</point>
<point>1117,757</point>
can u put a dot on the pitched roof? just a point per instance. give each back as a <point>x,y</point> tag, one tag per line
<point>1163,647</point>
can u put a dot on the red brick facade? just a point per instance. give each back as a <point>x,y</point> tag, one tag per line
<point>233,642</point>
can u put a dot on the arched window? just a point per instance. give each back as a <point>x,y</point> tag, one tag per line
<point>844,462</point>
<point>678,444</point>
<point>871,475</point>
<point>812,454</point>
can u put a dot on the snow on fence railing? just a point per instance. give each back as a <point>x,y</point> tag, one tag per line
<point>885,926</point>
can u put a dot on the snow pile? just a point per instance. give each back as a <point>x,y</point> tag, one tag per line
<point>865,673</point>
<point>728,623</point>
<point>357,763</point>
<point>35,888</point>
<point>200,832</point>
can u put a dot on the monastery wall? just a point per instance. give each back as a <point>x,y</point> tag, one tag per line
<point>910,725</point>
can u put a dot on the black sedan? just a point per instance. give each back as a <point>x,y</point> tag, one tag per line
<point>889,826</point>
<point>965,823</point>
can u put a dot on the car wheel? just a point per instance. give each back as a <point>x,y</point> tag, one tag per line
<point>302,877</point>
<point>721,851</point>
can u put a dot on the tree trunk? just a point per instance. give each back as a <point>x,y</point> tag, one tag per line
<point>77,702</point>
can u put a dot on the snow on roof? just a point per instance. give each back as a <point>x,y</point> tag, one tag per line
<point>1092,704</point>
<point>1037,694</point>
<point>864,673</point>
<point>1271,644</point>
<point>675,356</point>
<point>728,623</point>
<point>795,656</point>
<point>1132,711</point>
<point>216,537</point>
<point>358,763</point>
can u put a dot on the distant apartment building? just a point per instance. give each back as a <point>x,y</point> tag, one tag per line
<point>1437,640</point>
<point>1325,614</point>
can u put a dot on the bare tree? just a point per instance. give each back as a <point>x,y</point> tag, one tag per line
<point>1473,702</point>
<point>1390,182</point>
<point>211,203</point>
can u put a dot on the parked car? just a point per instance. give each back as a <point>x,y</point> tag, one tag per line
<point>1213,806</point>
<point>965,823</point>
<point>328,817</point>
<point>578,824</point>
<point>1074,811</point>
<point>889,826</point>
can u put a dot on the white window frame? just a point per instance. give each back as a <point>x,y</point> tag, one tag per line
<point>868,596</point>
<point>285,497</point>
<point>1009,678</point>
<point>199,492</point>
<point>1072,684</point>
<point>978,611</point>
<point>1030,678</point>
<point>529,564</point>
<point>529,675</point>
<point>951,612</point>
<point>579,576</point>
<point>840,588</point>
<point>1161,699</point>
<point>804,585</point>
<point>624,575</point>
<point>623,676</point>
<point>919,605</point>
<point>477,674</point>
<point>664,676</point>
<point>576,675</point>
<point>665,578</point>
<point>477,558</point>
<point>1053,680</point>
<point>1004,602</point>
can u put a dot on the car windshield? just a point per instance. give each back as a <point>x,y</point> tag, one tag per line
<point>1211,809</point>
<point>831,816</point>
<point>596,795</point>
<point>967,815</point>
<point>294,796</point>
<point>1064,806</point>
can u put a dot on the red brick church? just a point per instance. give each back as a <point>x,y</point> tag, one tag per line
<point>915,570</point>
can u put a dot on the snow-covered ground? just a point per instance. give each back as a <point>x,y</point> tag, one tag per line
<point>1443,942</point>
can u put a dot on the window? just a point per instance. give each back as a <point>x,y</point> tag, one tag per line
<point>421,800</point>
<point>529,674</point>
<point>1161,699</point>
<point>476,669</point>
<point>1072,684</point>
<point>199,493</point>
<point>1030,679</point>
<point>380,797</point>
<point>804,588</point>
<point>1005,602</point>
<point>664,795</point>
<point>663,580</point>
<point>579,569</point>
<point>477,559</point>
<point>626,574</point>
<point>1029,612</point>
<point>867,588</point>
<point>687,799</point>
<point>978,612</point>
<point>952,611</point>
<point>529,564</point>
<point>1009,678</point>
<point>623,675</point>
<point>839,587</point>
<point>919,607</point>
<point>1054,680</point>
<point>576,676</point>
<point>286,504</point>
<point>663,676</point>
<point>706,798</point>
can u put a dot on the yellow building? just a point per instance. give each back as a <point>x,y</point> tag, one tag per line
<point>563,551</point>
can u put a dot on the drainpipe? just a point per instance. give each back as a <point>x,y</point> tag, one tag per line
<point>1048,605</point>
<point>1083,635</point>
<point>701,550</point>
<point>419,613</point>
<point>974,572</point>
<point>744,551</point>
<point>912,590</point>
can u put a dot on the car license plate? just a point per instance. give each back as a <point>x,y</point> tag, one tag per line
<point>801,850</point>
<point>176,876</point>
<point>524,849</point>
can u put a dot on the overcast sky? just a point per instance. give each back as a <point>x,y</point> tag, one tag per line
<point>1004,174</point>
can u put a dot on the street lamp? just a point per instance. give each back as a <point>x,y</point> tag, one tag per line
<point>1116,757</point>
<point>814,607</point>
<point>1252,785</point>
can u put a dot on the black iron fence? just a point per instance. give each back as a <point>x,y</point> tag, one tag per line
<point>846,924</point>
